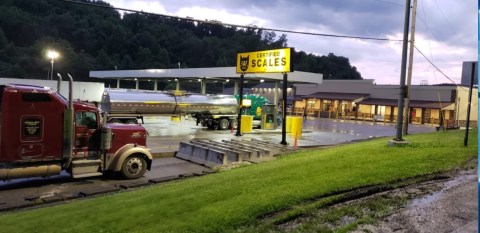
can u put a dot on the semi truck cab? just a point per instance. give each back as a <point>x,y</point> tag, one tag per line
<point>42,133</point>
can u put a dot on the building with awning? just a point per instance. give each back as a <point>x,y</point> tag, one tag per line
<point>364,100</point>
<point>422,112</point>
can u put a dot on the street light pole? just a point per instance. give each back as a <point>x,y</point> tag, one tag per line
<point>51,71</point>
<point>52,55</point>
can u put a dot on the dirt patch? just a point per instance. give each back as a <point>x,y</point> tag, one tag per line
<point>442,206</point>
<point>442,202</point>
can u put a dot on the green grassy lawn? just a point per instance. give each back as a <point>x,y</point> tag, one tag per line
<point>226,201</point>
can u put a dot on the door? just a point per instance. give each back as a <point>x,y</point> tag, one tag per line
<point>426,115</point>
<point>86,125</point>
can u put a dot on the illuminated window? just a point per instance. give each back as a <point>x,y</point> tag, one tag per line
<point>327,105</point>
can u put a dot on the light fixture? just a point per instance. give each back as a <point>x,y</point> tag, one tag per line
<point>228,80</point>
<point>262,80</point>
<point>246,103</point>
<point>52,55</point>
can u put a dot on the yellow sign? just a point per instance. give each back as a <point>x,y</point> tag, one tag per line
<point>268,61</point>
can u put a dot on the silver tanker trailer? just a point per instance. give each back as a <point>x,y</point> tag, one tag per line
<point>127,106</point>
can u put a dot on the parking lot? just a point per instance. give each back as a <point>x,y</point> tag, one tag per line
<point>165,136</point>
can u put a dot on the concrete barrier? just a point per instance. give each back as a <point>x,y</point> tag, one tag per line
<point>201,155</point>
<point>232,156</point>
<point>271,151</point>
<point>211,153</point>
<point>283,148</point>
<point>261,152</point>
<point>245,153</point>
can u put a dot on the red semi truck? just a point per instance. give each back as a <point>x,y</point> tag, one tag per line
<point>42,133</point>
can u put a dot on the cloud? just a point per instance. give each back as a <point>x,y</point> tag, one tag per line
<point>446,31</point>
<point>203,13</point>
<point>140,5</point>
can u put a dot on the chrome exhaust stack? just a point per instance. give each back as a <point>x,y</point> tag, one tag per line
<point>68,128</point>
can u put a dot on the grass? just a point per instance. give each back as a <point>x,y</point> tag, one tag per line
<point>230,200</point>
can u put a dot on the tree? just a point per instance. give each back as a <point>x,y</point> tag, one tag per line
<point>126,63</point>
<point>91,38</point>
<point>3,40</point>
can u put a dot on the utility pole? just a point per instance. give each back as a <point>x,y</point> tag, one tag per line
<point>401,97</point>
<point>465,140</point>
<point>407,113</point>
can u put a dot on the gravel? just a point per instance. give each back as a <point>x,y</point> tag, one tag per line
<point>444,206</point>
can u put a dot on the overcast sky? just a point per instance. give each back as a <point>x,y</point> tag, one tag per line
<point>446,30</point>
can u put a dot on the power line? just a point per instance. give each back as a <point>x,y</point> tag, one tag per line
<point>232,25</point>
<point>392,3</point>
<point>438,69</point>
<point>263,28</point>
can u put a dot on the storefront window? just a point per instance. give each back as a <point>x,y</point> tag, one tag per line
<point>327,105</point>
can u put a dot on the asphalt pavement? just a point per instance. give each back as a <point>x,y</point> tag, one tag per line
<point>164,138</point>
<point>165,135</point>
<point>31,192</point>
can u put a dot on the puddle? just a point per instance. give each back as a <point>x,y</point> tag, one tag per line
<point>429,198</point>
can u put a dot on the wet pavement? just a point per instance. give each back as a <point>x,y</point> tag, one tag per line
<point>165,136</point>
<point>23,193</point>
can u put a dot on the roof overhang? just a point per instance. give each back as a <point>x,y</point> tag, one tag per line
<point>214,73</point>
<point>337,96</point>
<point>413,103</point>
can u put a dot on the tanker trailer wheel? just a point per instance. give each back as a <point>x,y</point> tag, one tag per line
<point>223,124</point>
<point>234,123</point>
<point>115,121</point>
<point>132,122</point>
<point>134,167</point>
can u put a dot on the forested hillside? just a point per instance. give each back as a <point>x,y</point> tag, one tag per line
<point>92,38</point>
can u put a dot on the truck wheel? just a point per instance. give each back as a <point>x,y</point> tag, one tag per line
<point>211,125</point>
<point>233,124</point>
<point>134,167</point>
<point>223,124</point>
<point>132,122</point>
<point>115,121</point>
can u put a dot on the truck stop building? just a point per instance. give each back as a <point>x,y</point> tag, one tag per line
<point>309,94</point>
<point>363,100</point>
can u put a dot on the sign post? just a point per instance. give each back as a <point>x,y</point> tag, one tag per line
<point>284,111</point>
<point>267,61</point>
<point>240,106</point>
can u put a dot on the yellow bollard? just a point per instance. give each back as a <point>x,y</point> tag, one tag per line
<point>297,123</point>
<point>175,118</point>
<point>288,127</point>
<point>247,124</point>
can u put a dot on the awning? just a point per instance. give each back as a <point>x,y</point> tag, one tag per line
<point>382,102</point>
<point>413,103</point>
<point>336,96</point>
<point>430,104</point>
<point>207,73</point>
